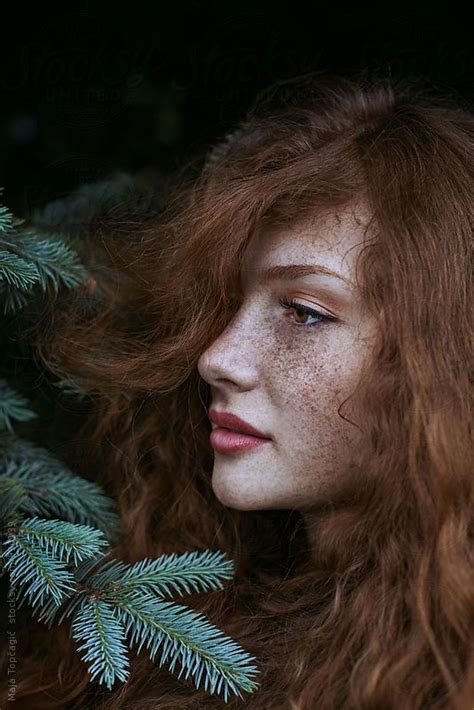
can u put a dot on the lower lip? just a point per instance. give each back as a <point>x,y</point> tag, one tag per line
<point>226,441</point>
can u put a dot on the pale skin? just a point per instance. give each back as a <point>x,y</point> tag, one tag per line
<point>287,377</point>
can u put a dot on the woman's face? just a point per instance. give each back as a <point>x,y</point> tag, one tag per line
<point>286,372</point>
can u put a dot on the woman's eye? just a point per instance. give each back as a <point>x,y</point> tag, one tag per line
<point>303,312</point>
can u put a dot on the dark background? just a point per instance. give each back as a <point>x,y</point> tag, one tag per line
<point>98,88</point>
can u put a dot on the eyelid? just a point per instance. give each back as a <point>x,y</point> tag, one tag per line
<point>293,304</point>
<point>322,310</point>
<point>238,296</point>
<point>314,306</point>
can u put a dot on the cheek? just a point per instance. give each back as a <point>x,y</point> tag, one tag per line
<point>299,370</point>
<point>310,378</point>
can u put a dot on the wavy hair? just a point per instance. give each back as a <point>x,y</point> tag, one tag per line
<point>380,614</point>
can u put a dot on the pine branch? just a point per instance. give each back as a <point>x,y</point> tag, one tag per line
<point>39,551</point>
<point>28,258</point>
<point>55,261</point>
<point>50,488</point>
<point>70,388</point>
<point>16,271</point>
<point>13,406</point>
<point>13,299</point>
<point>6,218</point>
<point>61,566</point>
<point>188,637</point>
<point>104,637</point>
<point>70,216</point>
<point>62,540</point>
<point>148,575</point>
<point>37,575</point>
<point>192,571</point>
<point>12,497</point>
<point>50,612</point>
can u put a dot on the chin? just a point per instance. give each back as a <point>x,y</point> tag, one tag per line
<point>231,496</point>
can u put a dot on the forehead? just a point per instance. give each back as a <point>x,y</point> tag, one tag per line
<point>332,240</point>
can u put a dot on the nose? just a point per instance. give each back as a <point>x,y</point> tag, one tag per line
<point>230,362</point>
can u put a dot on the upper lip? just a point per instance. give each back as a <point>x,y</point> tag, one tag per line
<point>232,421</point>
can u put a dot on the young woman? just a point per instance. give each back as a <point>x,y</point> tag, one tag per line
<point>280,366</point>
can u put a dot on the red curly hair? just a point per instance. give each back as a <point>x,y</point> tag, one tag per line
<point>381,613</point>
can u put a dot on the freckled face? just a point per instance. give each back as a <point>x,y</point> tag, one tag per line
<point>285,371</point>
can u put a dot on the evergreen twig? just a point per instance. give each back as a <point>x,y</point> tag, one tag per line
<point>61,564</point>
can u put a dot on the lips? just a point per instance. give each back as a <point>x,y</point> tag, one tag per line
<point>235,424</point>
<point>226,441</point>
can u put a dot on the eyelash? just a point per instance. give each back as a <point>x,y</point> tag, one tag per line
<point>286,303</point>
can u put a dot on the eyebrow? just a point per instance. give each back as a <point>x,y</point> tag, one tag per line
<point>293,271</point>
